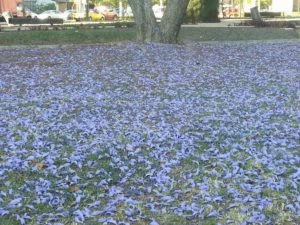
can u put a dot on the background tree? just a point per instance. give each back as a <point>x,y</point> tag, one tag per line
<point>265,4</point>
<point>114,3</point>
<point>209,10</point>
<point>192,14</point>
<point>147,27</point>
<point>45,7</point>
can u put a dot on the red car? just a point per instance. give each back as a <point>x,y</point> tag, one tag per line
<point>230,11</point>
<point>108,12</point>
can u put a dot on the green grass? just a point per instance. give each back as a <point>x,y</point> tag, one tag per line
<point>235,33</point>
<point>106,35</point>
<point>76,36</point>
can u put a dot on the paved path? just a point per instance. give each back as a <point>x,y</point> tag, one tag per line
<point>232,22</point>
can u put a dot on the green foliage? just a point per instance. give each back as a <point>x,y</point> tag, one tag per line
<point>193,12</point>
<point>158,2</point>
<point>108,35</point>
<point>264,4</point>
<point>209,10</point>
<point>42,8</point>
<point>114,3</point>
<point>76,36</point>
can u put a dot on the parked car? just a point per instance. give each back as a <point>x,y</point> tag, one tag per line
<point>30,14</point>
<point>50,14</point>
<point>95,16</point>
<point>79,15</point>
<point>67,15</point>
<point>26,13</point>
<point>108,12</point>
<point>230,11</point>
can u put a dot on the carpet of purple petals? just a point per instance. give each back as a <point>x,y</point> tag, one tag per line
<point>144,134</point>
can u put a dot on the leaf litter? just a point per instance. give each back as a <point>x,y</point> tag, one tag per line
<point>126,133</point>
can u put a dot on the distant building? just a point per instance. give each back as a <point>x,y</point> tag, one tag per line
<point>285,7</point>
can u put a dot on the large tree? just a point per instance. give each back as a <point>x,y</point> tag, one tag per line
<point>209,10</point>
<point>147,27</point>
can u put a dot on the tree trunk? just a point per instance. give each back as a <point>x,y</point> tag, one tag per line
<point>145,21</point>
<point>149,30</point>
<point>172,20</point>
<point>209,11</point>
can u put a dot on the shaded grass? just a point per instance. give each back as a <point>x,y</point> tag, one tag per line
<point>105,35</point>
<point>77,36</point>
<point>235,33</point>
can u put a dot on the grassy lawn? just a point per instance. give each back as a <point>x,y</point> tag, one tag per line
<point>93,36</point>
<point>80,36</point>
<point>143,134</point>
<point>235,34</point>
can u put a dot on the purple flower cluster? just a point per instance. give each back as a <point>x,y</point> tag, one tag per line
<point>124,133</point>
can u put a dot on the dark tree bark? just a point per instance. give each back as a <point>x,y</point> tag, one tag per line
<point>149,30</point>
<point>172,20</point>
<point>209,11</point>
<point>145,21</point>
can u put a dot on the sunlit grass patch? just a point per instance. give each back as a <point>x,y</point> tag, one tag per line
<point>279,213</point>
<point>234,216</point>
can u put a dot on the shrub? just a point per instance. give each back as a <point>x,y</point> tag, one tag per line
<point>209,11</point>
<point>193,12</point>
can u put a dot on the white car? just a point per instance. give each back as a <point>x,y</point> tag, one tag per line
<point>30,14</point>
<point>67,15</point>
<point>25,12</point>
<point>50,14</point>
